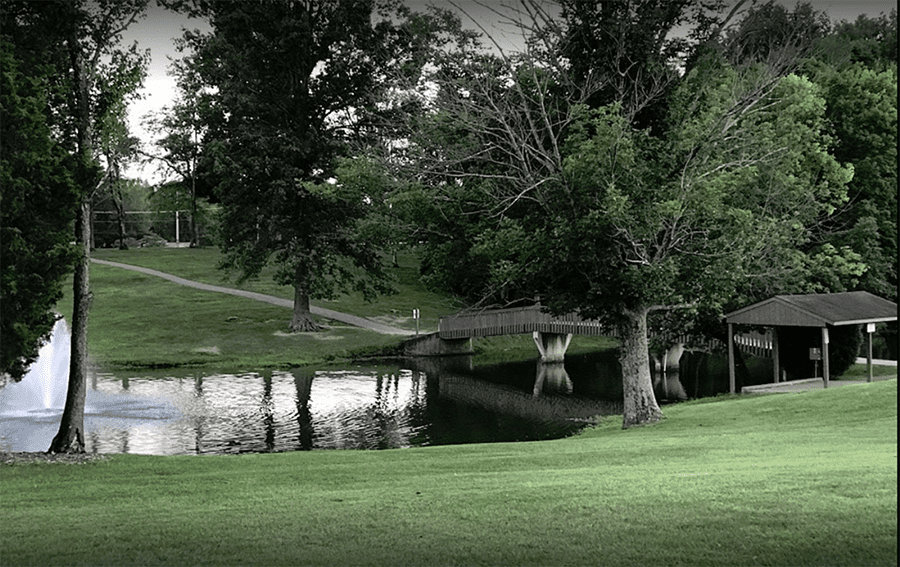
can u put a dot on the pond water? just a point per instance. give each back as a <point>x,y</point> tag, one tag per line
<point>408,403</point>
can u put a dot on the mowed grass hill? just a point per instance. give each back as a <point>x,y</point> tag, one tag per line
<point>140,320</point>
<point>789,479</point>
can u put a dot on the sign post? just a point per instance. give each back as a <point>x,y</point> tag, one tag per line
<point>416,317</point>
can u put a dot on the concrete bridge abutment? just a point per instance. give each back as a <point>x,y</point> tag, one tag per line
<point>433,345</point>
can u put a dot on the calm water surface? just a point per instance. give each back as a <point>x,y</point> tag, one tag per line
<point>409,403</point>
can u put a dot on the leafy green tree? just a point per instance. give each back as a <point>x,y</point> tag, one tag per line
<point>182,126</point>
<point>293,84</point>
<point>92,31</point>
<point>858,73</point>
<point>612,214</point>
<point>870,41</point>
<point>117,84</point>
<point>77,43</point>
<point>36,212</point>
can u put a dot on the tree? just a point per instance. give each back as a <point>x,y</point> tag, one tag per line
<point>601,209</point>
<point>117,84</point>
<point>292,84</point>
<point>857,69</point>
<point>869,41</point>
<point>36,211</point>
<point>76,42</point>
<point>92,32</point>
<point>182,126</point>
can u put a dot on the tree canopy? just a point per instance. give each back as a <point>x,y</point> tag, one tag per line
<point>73,47</point>
<point>685,174</point>
<point>36,212</point>
<point>292,84</point>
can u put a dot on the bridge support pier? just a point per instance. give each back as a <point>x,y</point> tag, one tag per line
<point>552,346</point>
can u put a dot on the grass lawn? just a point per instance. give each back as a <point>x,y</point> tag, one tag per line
<point>199,264</point>
<point>861,372</point>
<point>138,320</point>
<point>788,479</point>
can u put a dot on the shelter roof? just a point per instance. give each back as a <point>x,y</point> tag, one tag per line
<point>817,310</point>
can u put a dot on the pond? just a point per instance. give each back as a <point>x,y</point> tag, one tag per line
<point>413,402</point>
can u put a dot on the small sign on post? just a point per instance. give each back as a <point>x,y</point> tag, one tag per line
<point>815,354</point>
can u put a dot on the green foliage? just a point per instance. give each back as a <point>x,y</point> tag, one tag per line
<point>289,86</point>
<point>869,40</point>
<point>862,111</point>
<point>36,213</point>
<point>693,216</point>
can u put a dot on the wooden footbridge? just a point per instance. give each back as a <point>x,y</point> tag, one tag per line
<point>551,333</point>
<point>516,322</point>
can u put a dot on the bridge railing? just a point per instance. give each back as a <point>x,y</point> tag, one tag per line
<point>755,343</point>
<point>521,320</point>
<point>516,321</point>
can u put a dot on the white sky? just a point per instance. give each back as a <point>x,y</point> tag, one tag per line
<point>160,27</point>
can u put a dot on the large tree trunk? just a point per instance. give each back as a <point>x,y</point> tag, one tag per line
<point>640,402</point>
<point>195,228</point>
<point>118,201</point>
<point>70,438</point>
<point>302,321</point>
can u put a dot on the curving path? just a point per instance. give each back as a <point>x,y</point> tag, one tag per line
<point>322,312</point>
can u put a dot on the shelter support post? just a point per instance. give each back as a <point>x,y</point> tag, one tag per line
<point>870,330</point>
<point>776,360</point>
<point>731,380</point>
<point>825,365</point>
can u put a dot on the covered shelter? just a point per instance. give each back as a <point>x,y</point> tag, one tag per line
<point>813,310</point>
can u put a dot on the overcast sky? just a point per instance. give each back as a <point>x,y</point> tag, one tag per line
<point>158,29</point>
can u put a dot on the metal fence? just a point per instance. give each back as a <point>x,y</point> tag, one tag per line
<point>171,226</point>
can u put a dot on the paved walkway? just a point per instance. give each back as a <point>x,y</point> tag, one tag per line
<point>805,385</point>
<point>321,312</point>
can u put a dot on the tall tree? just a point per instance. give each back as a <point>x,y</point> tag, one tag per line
<point>182,128</point>
<point>603,209</point>
<point>856,65</point>
<point>78,40</point>
<point>117,84</point>
<point>293,83</point>
<point>36,209</point>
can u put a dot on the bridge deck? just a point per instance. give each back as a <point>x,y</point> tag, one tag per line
<point>529,319</point>
<point>517,321</point>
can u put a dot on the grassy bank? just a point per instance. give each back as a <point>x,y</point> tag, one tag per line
<point>143,321</point>
<point>199,264</point>
<point>791,479</point>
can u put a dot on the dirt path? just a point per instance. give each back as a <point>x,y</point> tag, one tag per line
<point>321,312</point>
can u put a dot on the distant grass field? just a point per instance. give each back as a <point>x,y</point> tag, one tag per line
<point>200,264</point>
<point>788,479</point>
<point>138,320</point>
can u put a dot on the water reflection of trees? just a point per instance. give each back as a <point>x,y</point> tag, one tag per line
<point>438,401</point>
